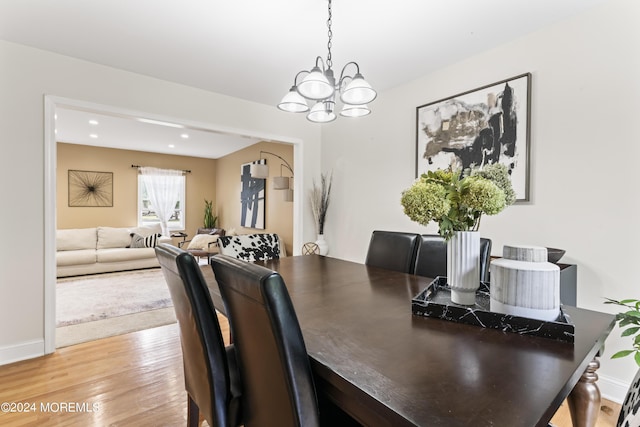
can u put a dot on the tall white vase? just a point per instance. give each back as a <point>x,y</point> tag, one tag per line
<point>463,266</point>
<point>322,245</point>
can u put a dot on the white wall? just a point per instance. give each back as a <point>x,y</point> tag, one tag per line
<point>26,76</point>
<point>585,146</point>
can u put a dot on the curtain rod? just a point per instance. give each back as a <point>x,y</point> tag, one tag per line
<point>138,167</point>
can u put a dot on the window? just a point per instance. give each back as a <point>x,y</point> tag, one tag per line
<point>146,213</point>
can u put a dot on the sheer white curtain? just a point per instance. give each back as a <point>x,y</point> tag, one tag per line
<point>163,188</point>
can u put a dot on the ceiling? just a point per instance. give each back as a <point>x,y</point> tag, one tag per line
<point>252,49</point>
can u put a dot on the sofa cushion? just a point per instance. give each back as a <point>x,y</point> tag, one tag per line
<point>77,257</point>
<point>110,237</point>
<point>138,241</point>
<point>147,230</point>
<point>124,254</point>
<point>73,239</point>
<point>201,241</point>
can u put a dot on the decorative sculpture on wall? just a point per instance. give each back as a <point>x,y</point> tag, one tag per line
<point>90,189</point>
<point>252,198</point>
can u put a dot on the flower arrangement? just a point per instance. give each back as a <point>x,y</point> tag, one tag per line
<point>320,201</point>
<point>631,316</point>
<point>456,200</point>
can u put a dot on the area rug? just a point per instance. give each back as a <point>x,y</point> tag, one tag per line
<point>103,296</point>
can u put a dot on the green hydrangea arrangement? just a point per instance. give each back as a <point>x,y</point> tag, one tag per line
<point>456,201</point>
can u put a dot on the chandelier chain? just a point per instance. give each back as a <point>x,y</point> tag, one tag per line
<point>330,34</point>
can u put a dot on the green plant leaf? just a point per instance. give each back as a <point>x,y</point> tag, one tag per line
<point>633,314</point>
<point>630,331</point>
<point>637,358</point>
<point>622,353</point>
<point>628,301</point>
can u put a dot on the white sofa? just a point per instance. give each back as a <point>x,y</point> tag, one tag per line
<point>104,249</point>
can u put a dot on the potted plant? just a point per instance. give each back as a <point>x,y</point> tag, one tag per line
<point>629,317</point>
<point>319,197</point>
<point>456,201</point>
<point>210,220</point>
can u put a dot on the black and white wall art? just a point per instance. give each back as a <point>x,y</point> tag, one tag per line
<point>482,126</point>
<point>252,198</point>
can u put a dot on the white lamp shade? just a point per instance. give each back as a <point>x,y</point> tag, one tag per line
<point>281,183</point>
<point>349,110</point>
<point>258,170</point>
<point>320,114</point>
<point>315,85</point>
<point>358,92</point>
<point>288,196</point>
<point>292,102</point>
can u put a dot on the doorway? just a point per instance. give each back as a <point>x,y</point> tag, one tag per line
<point>54,104</point>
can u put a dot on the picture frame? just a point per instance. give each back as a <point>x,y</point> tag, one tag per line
<point>252,197</point>
<point>90,188</point>
<point>486,125</point>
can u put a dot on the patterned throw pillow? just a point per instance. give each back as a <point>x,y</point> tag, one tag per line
<point>138,241</point>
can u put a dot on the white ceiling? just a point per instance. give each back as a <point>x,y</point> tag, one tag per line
<point>252,49</point>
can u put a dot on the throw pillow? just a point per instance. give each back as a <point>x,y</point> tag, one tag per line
<point>201,241</point>
<point>138,241</point>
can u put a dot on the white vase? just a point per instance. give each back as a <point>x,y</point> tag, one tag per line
<point>322,245</point>
<point>463,266</point>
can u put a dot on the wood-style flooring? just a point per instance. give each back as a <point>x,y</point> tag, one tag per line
<point>128,380</point>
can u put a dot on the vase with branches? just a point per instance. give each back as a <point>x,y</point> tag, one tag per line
<point>320,197</point>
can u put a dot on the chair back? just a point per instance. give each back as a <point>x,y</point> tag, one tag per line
<point>209,380</point>
<point>393,250</point>
<point>250,247</point>
<point>431,259</point>
<point>278,387</point>
<point>630,412</point>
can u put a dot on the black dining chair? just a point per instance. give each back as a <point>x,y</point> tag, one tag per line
<point>210,370</point>
<point>392,250</point>
<point>277,382</point>
<point>431,258</point>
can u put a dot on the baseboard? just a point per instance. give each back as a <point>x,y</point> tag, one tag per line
<point>22,351</point>
<point>612,389</point>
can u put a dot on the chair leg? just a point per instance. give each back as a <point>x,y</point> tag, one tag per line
<point>193,413</point>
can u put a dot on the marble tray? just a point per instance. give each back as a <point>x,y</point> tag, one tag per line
<point>435,301</point>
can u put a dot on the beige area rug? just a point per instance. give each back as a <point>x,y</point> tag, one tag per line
<point>103,305</point>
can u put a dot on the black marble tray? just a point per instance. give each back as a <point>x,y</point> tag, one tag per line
<point>435,301</point>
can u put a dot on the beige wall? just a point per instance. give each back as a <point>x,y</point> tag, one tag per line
<point>278,213</point>
<point>200,185</point>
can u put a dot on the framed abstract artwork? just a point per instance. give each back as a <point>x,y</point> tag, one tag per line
<point>252,197</point>
<point>482,126</point>
<point>90,189</point>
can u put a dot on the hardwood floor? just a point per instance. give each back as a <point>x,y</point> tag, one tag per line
<point>128,380</point>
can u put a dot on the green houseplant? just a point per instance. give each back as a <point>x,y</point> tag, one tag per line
<point>210,220</point>
<point>629,317</point>
<point>455,200</point>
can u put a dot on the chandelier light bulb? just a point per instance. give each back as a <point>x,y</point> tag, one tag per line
<point>315,85</point>
<point>349,110</point>
<point>322,112</point>
<point>358,91</point>
<point>293,102</point>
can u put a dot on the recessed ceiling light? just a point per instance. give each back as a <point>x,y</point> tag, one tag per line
<point>158,122</point>
<point>171,146</point>
<point>185,136</point>
<point>93,122</point>
<point>93,135</point>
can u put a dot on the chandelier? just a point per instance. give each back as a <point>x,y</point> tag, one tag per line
<point>319,85</point>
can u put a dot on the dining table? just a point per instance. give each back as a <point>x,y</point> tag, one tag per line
<point>384,366</point>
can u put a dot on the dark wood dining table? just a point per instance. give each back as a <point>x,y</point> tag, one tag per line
<point>387,367</point>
